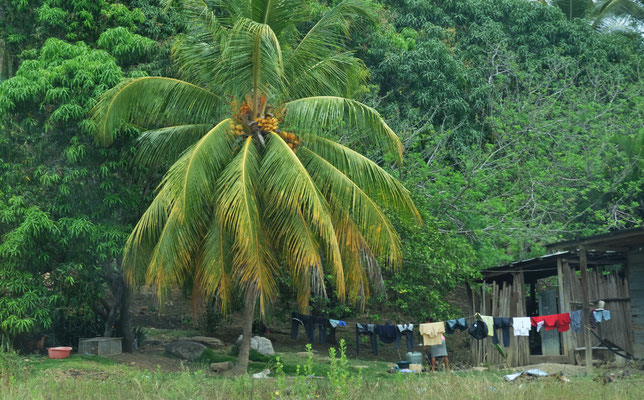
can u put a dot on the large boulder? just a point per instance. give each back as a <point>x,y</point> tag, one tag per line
<point>185,349</point>
<point>261,344</point>
<point>207,341</point>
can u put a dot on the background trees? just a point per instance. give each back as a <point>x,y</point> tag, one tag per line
<point>510,115</point>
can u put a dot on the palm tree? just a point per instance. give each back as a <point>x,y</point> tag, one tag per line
<point>255,182</point>
<point>602,11</point>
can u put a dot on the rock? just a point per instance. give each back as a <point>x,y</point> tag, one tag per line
<point>221,366</point>
<point>210,342</point>
<point>264,346</point>
<point>185,349</point>
<point>263,374</point>
<point>261,344</point>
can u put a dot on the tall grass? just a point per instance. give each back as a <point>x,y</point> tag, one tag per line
<point>83,379</point>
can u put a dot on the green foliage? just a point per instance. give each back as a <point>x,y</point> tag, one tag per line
<point>65,203</point>
<point>506,110</point>
<point>125,46</point>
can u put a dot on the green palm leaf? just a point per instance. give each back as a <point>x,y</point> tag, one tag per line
<point>251,61</point>
<point>366,174</point>
<point>313,114</point>
<point>333,76</point>
<point>286,180</point>
<point>213,272</point>
<point>192,177</point>
<point>339,190</point>
<point>150,102</point>
<point>238,211</point>
<point>166,144</point>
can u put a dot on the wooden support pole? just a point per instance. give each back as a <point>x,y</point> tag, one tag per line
<point>563,307</point>
<point>585,290</point>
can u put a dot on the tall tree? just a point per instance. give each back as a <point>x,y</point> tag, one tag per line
<point>255,182</point>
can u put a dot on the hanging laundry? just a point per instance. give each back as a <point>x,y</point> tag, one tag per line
<point>521,326</point>
<point>369,330</point>
<point>310,323</point>
<point>489,322</point>
<point>432,332</point>
<point>453,324</point>
<point>537,322</point>
<point>408,331</point>
<point>601,314</point>
<point>478,330</point>
<point>335,323</point>
<point>559,321</point>
<point>504,325</point>
<point>387,332</point>
<point>575,321</point>
<point>305,321</point>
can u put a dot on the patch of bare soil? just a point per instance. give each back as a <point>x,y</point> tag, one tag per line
<point>78,373</point>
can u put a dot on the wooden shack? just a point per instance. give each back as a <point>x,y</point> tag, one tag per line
<point>608,267</point>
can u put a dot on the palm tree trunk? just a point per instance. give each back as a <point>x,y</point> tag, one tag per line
<point>247,327</point>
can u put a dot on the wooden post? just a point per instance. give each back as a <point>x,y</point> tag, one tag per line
<point>563,307</point>
<point>586,310</point>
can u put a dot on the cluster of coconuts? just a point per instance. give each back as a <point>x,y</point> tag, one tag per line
<point>291,139</point>
<point>267,123</point>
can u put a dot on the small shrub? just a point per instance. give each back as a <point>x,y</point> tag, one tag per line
<point>340,379</point>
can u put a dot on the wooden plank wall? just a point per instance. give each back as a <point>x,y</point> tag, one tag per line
<point>636,285</point>
<point>503,300</point>
<point>615,292</point>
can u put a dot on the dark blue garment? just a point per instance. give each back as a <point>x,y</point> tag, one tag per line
<point>387,333</point>
<point>310,323</point>
<point>504,325</point>
<point>409,336</point>
<point>370,330</point>
<point>478,330</point>
<point>453,324</point>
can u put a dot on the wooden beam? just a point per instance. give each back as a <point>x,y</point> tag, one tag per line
<point>585,290</point>
<point>596,262</point>
<point>563,307</point>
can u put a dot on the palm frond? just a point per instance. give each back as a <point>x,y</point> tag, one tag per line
<point>144,237</point>
<point>339,190</point>
<point>172,259</point>
<point>314,114</point>
<point>165,145</point>
<point>370,177</point>
<point>336,75</point>
<point>286,180</point>
<point>192,177</point>
<point>626,8</point>
<point>251,61</point>
<point>152,102</point>
<point>298,243</point>
<point>278,14</point>
<point>213,272</point>
<point>326,37</point>
<point>238,211</point>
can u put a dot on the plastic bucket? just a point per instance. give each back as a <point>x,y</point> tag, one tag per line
<point>59,352</point>
<point>403,364</point>
<point>414,357</point>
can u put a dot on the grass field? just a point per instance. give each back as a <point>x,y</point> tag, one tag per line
<point>84,377</point>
